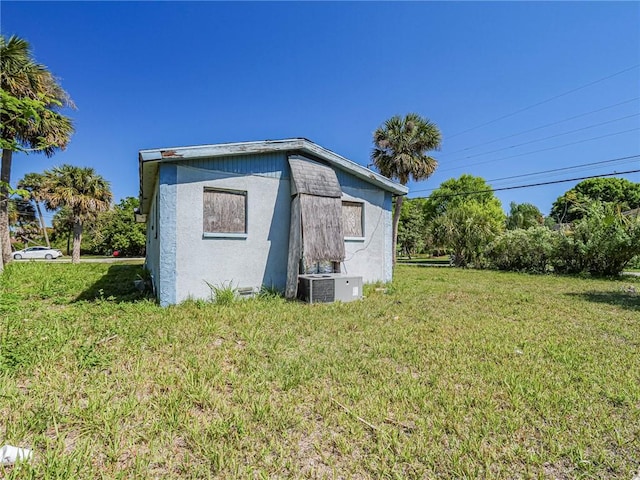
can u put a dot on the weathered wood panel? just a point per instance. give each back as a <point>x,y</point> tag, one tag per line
<point>224,212</point>
<point>313,178</point>
<point>322,237</point>
<point>352,219</point>
<point>295,249</point>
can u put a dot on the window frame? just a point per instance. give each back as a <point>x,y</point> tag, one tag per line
<point>228,235</point>
<point>348,238</point>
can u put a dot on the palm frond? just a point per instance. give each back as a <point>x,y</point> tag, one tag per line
<point>80,189</point>
<point>23,78</point>
<point>401,146</point>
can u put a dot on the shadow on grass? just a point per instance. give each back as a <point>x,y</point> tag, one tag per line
<point>625,299</point>
<point>424,262</point>
<point>116,285</point>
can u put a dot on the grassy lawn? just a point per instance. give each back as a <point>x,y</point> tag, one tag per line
<point>447,374</point>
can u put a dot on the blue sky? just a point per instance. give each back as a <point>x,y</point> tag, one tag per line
<point>163,74</point>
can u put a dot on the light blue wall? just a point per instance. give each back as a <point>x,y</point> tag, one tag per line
<point>388,237</point>
<point>167,234</point>
<point>347,180</point>
<point>272,165</point>
<point>366,257</point>
<point>188,260</point>
<point>258,259</point>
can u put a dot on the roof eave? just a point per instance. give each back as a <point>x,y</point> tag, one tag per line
<point>150,158</point>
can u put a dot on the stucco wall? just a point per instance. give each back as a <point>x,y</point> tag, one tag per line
<point>182,259</point>
<point>367,257</point>
<point>167,234</point>
<point>259,259</point>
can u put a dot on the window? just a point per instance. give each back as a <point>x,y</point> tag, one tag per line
<point>353,220</point>
<point>224,213</point>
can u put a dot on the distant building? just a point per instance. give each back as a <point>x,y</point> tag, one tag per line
<point>256,214</point>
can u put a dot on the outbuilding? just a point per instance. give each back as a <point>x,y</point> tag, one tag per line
<point>259,214</point>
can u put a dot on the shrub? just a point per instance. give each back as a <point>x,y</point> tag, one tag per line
<point>522,250</point>
<point>467,229</point>
<point>568,255</point>
<point>602,243</point>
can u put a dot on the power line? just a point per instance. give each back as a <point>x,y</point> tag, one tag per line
<point>565,168</point>
<point>542,150</point>
<point>548,137</point>
<point>546,101</point>
<point>457,194</point>
<point>540,127</point>
<point>531,174</point>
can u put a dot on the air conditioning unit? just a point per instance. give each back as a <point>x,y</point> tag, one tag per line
<point>327,287</point>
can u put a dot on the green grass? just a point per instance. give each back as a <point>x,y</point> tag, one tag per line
<point>449,374</point>
<point>224,294</point>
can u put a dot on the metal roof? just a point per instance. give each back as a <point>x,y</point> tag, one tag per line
<point>150,159</point>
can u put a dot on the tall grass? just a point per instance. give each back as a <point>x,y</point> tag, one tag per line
<point>224,294</point>
<point>447,374</point>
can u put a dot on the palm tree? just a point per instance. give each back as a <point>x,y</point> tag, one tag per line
<point>34,184</point>
<point>400,153</point>
<point>23,220</point>
<point>62,224</point>
<point>82,191</point>
<point>46,130</point>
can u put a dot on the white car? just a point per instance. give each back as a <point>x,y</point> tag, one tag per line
<point>37,252</point>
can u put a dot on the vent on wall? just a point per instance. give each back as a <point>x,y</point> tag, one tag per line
<point>325,288</point>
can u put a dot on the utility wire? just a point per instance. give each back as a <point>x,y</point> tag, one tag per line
<point>541,150</point>
<point>546,101</point>
<point>540,127</point>
<point>582,171</point>
<point>532,174</point>
<point>548,137</point>
<point>531,184</point>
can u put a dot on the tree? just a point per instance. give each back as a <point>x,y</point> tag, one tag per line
<point>412,231</point>
<point>523,215</point>
<point>62,224</point>
<point>400,153</point>
<point>455,192</point>
<point>467,229</point>
<point>465,216</point>
<point>82,191</point>
<point>10,211</point>
<point>17,113</point>
<point>23,220</point>
<point>30,116</point>
<point>34,184</point>
<point>574,203</point>
<point>117,229</point>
